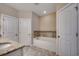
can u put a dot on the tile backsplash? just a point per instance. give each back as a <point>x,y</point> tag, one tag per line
<point>44,34</point>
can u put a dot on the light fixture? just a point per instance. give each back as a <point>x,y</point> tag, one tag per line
<point>44,12</point>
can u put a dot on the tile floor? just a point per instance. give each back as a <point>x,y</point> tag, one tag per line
<point>34,51</point>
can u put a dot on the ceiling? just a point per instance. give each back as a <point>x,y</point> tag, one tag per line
<point>38,8</point>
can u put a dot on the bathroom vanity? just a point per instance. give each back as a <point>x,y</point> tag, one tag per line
<point>10,48</point>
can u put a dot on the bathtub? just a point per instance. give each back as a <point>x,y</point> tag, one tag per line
<point>45,43</point>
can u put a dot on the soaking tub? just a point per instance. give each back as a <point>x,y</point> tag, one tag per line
<point>45,43</point>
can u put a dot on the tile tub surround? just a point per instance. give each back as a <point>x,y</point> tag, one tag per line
<point>35,51</point>
<point>44,34</point>
<point>15,46</point>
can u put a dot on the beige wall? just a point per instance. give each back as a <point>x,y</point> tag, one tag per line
<point>35,22</point>
<point>7,10</point>
<point>48,22</point>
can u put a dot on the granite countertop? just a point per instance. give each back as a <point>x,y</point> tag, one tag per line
<point>14,46</point>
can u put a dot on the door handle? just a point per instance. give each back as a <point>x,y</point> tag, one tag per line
<point>16,34</point>
<point>0,35</point>
<point>58,36</point>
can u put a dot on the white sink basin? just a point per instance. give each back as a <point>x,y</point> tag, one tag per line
<point>5,45</point>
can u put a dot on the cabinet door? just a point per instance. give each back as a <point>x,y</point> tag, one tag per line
<point>67,29</point>
<point>25,34</point>
<point>10,27</point>
<point>15,53</point>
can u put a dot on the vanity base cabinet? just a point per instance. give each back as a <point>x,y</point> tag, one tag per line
<point>15,53</point>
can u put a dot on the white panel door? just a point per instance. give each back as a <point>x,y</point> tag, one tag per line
<point>78,29</point>
<point>66,31</point>
<point>25,31</point>
<point>10,27</point>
